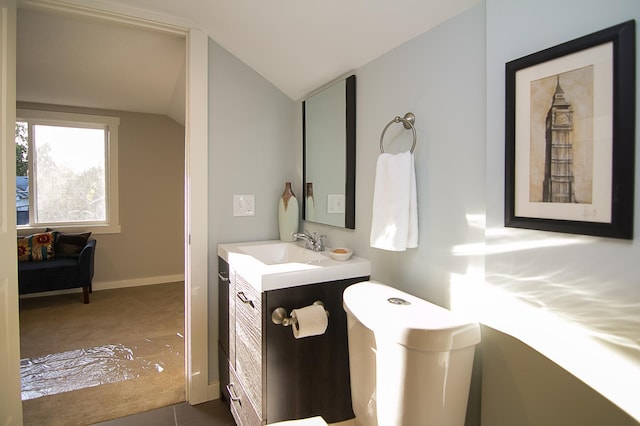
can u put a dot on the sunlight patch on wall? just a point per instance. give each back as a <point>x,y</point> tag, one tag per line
<point>542,289</point>
<point>513,244</point>
<point>607,362</point>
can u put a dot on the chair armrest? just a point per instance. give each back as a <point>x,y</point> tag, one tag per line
<point>85,262</point>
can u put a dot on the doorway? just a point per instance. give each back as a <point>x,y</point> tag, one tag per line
<point>196,361</point>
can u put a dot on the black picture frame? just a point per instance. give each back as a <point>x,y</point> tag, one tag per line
<point>570,152</point>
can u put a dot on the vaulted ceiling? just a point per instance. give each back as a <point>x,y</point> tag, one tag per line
<point>297,45</point>
<point>78,61</point>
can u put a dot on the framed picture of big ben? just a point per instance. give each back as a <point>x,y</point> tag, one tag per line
<point>570,136</point>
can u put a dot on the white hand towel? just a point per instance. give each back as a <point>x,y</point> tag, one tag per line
<point>394,222</point>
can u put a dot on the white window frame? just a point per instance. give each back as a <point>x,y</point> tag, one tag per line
<point>112,222</point>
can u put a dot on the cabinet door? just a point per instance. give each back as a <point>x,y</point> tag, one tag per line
<point>313,371</point>
<point>249,341</point>
<point>223,326</point>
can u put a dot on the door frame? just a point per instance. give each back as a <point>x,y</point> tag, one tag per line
<point>196,176</point>
<point>10,402</point>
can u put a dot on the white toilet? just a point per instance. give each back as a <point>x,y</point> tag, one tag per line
<point>410,360</point>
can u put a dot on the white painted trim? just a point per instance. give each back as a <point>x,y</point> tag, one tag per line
<point>105,10</point>
<point>10,403</point>
<point>197,219</point>
<point>214,391</point>
<point>112,124</point>
<point>138,282</point>
<point>178,279</point>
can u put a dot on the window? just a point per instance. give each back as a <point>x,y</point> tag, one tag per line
<point>66,171</point>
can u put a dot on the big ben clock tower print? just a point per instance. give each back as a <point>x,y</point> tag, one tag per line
<point>570,119</point>
<point>558,185</point>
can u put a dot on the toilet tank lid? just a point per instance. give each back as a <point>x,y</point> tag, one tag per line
<point>416,324</point>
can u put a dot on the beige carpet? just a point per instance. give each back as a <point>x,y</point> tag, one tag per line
<point>131,339</point>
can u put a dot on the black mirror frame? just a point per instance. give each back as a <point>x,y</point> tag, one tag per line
<point>350,150</point>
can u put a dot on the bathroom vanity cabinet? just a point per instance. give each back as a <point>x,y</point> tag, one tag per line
<point>267,375</point>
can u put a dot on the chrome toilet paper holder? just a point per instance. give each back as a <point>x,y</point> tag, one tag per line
<point>280,316</point>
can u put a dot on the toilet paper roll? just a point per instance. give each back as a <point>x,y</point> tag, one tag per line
<point>312,321</point>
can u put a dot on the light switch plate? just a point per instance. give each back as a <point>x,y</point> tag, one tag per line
<point>244,205</point>
<point>335,203</point>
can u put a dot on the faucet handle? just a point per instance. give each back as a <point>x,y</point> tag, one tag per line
<point>319,242</point>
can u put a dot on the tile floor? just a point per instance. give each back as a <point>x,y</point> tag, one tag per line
<point>212,413</point>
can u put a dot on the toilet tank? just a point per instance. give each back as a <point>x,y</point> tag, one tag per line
<point>410,360</point>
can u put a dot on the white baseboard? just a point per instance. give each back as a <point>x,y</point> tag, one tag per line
<point>137,282</point>
<point>213,391</point>
<point>110,285</point>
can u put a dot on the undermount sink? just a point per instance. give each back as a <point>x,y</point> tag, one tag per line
<point>272,265</point>
<point>279,252</point>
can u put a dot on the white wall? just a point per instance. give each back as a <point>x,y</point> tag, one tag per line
<point>251,151</point>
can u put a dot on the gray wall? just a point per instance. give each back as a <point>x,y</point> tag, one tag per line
<point>150,247</point>
<point>251,152</point>
<point>452,79</point>
<point>580,292</point>
<point>440,77</point>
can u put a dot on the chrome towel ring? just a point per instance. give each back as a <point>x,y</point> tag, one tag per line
<point>407,121</point>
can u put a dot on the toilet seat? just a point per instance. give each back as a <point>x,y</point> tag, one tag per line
<point>311,421</point>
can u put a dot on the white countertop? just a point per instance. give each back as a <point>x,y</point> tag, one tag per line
<point>266,277</point>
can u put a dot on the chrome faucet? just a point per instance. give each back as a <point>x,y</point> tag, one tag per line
<point>311,241</point>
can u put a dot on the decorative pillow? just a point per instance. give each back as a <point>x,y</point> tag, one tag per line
<point>24,249</point>
<point>37,247</point>
<point>71,244</point>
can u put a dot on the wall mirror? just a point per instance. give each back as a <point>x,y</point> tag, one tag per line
<point>329,155</point>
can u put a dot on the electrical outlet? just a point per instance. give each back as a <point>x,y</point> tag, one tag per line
<point>244,205</point>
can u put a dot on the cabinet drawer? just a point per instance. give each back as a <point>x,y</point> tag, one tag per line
<point>249,341</point>
<point>243,412</point>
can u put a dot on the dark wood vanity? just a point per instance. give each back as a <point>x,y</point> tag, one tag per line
<point>267,375</point>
